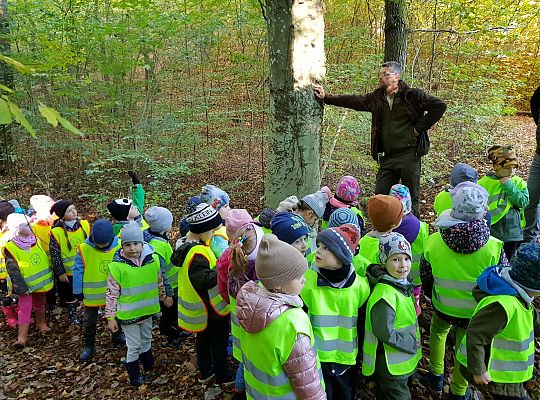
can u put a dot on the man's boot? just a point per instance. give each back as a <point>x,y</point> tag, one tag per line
<point>40,322</point>
<point>22,337</point>
<point>134,373</point>
<point>73,317</point>
<point>87,352</point>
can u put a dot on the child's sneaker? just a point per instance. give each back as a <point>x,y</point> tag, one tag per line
<point>205,380</point>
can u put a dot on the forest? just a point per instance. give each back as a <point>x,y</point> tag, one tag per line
<point>179,91</point>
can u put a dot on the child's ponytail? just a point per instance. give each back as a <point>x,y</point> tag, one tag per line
<point>244,243</point>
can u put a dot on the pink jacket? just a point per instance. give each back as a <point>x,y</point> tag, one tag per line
<point>256,308</point>
<point>222,266</point>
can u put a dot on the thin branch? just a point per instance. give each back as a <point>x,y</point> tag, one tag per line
<point>454,32</point>
<point>263,10</point>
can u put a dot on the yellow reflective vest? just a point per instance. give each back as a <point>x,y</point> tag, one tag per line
<point>34,266</point>
<point>75,238</point>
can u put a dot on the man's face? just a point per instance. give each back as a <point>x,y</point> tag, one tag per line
<point>387,77</point>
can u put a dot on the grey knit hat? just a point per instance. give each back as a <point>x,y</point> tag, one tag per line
<point>131,232</point>
<point>317,202</point>
<point>159,219</point>
<point>393,243</point>
<point>526,266</point>
<point>469,203</point>
<point>278,263</point>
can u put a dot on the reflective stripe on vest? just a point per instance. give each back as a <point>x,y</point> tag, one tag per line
<point>336,337</point>
<point>95,274</point>
<point>264,353</point>
<point>512,350</point>
<point>34,266</point>
<point>498,204</point>
<point>455,274</point>
<point>76,238</point>
<point>417,249</point>
<point>139,295</point>
<point>3,240</point>
<point>192,313</point>
<point>398,362</point>
<point>164,249</point>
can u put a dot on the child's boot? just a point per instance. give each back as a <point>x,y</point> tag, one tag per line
<point>88,351</point>
<point>40,322</point>
<point>10,313</point>
<point>73,317</point>
<point>467,396</point>
<point>134,373</point>
<point>118,338</point>
<point>22,337</point>
<point>433,382</point>
<point>147,361</point>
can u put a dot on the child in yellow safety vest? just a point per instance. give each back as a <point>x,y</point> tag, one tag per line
<point>201,308</point>
<point>90,274</point>
<point>291,229</point>
<point>7,301</point>
<point>334,298</point>
<point>453,259</point>
<point>133,298</point>
<point>416,232</point>
<point>508,196</point>
<point>392,345</point>
<point>276,338</point>
<point>160,221</point>
<point>31,276</point>
<point>385,213</point>
<point>498,350</point>
<point>67,233</point>
<point>460,173</point>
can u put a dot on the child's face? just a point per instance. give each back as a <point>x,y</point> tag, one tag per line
<point>132,249</point>
<point>224,210</point>
<point>133,213</point>
<point>505,172</point>
<point>309,216</point>
<point>300,244</point>
<point>294,287</point>
<point>325,258</point>
<point>398,265</point>
<point>25,230</point>
<point>71,213</point>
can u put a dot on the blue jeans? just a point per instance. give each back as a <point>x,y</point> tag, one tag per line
<point>239,382</point>
<point>532,211</point>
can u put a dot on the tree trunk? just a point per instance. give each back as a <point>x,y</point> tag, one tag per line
<point>297,61</point>
<point>6,79</point>
<point>395,32</point>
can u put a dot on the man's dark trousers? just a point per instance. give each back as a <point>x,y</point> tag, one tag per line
<point>404,167</point>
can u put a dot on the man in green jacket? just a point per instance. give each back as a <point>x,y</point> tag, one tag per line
<point>400,119</point>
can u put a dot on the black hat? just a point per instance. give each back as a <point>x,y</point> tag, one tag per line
<point>60,208</point>
<point>119,208</point>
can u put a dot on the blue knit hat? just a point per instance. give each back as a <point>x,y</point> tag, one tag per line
<point>214,196</point>
<point>342,216</point>
<point>288,227</point>
<point>526,266</point>
<point>102,232</point>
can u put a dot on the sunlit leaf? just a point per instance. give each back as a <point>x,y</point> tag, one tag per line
<point>5,114</point>
<point>21,119</point>
<point>69,126</point>
<point>17,65</point>
<point>50,114</point>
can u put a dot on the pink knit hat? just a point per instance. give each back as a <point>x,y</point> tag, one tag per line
<point>347,192</point>
<point>236,218</point>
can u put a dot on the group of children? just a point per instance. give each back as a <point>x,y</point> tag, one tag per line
<point>308,310</point>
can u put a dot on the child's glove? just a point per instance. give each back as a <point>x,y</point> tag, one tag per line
<point>134,179</point>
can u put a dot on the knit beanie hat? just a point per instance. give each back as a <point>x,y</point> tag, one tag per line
<point>393,243</point>
<point>102,232</point>
<point>5,209</point>
<point>288,204</point>
<point>526,266</point>
<point>347,192</point>
<point>235,219</point>
<point>184,227</point>
<point>159,219</point>
<point>119,208</point>
<point>402,193</point>
<point>385,212</point>
<point>288,227</point>
<point>204,219</point>
<point>60,207</point>
<point>15,221</point>
<point>342,216</point>
<point>462,173</point>
<point>469,202</point>
<point>278,263</point>
<point>502,156</point>
<point>42,205</point>
<point>192,203</point>
<point>265,218</point>
<point>317,202</point>
<point>131,232</point>
<point>341,241</point>
<point>214,196</point>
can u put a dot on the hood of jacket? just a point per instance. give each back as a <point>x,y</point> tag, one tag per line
<point>466,238</point>
<point>496,280</point>
<point>256,307</point>
<point>377,274</point>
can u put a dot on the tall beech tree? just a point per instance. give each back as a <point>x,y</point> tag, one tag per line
<point>395,32</point>
<point>297,61</point>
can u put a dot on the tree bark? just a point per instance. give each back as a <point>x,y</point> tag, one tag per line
<point>6,78</point>
<point>395,32</point>
<point>297,61</point>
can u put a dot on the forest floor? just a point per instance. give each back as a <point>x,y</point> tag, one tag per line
<point>48,368</point>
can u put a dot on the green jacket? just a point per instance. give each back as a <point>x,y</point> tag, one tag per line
<point>137,196</point>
